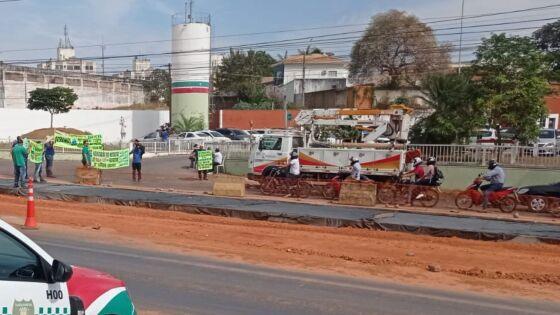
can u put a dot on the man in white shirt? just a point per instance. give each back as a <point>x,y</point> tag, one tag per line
<point>356,168</point>
<point>295,169</point>
<point>218,159</point>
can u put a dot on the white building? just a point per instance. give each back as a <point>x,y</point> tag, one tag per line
<point>322,72</point>
<point>66,59</point>
<point>317,66</point>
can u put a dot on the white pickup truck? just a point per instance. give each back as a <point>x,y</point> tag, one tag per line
<point>33,283</point>
<point>274,149</point>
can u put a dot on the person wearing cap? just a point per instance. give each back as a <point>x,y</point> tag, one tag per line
<point>19,156</point>
<point>49,156</point>
<point>356,168</point>
<point>137,152</point>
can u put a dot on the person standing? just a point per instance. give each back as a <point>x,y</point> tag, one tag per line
<point>49,157</point>
<point>86,155</point>
<point>137,152</point>
<point>192,156</point>
<point>164,135</point>
<point>218,159</point>
<point>202,174</point>
<point>37,174</point>
<point>19,156</point>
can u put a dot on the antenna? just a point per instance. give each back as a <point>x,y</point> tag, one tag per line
<point>191,3</point>
<point>66,38</point>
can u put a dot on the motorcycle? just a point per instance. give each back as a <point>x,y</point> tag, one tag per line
<point>504,199</point>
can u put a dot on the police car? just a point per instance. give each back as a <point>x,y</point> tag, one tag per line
<point>33,283</point>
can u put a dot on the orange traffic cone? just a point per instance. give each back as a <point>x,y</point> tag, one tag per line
<point>30,221</point>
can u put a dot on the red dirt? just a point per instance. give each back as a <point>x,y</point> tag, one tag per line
<point>503,268</point>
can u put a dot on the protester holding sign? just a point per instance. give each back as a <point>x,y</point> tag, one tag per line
<point>19,156</point>
<point>49,156</point>
<point>203,162</point>
<point>37,156</point>
<point>137,153</point>
<point>86,154</point>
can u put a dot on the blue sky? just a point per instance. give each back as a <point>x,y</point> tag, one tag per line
<point>39,23</point>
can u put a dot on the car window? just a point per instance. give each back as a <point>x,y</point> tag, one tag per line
<point>202,134</point>
<point>224,131</point>
<point>546,134</point>
<point>190,135</point>
<point>17,262</point>
<point>297,142</point>
<point>270,144</point>
<point>216,134</point>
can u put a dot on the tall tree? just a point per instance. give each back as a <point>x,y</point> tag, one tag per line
<point>512,82</point>
<point>398,48</point>
<point>55,101</point>
<point>241,73</point>
<point>156,87</point>
<point>548,40</point>
<point>456,114</point>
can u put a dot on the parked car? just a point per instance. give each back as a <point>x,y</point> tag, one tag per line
<point>548,142</point>
<point>204,135</point>
<point>541,198</point>
<point>235,134</point>
<point>152,136</point>
<point>32,282</point>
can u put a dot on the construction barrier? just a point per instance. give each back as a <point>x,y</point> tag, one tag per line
<point>358,193</point>
<point>88,176</point>
<point>229,186</point>
<point>30,220</point>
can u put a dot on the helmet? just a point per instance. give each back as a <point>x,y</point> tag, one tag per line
<point>492,164</point>
<point>431,160</point>
<point>353,160</point>
<point>416,161</point>
<point>294,155</point>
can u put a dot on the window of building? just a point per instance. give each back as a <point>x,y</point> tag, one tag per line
<point>323,73</point>
<point>333,74</point>
<point>58,67</point>
<point>552,123</point>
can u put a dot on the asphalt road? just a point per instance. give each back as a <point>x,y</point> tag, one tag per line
<point>181,284</point>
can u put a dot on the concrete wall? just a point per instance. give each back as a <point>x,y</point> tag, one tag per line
<point>261,119</point>
<point>294,89</point>
<point>14,122</point>
<point>94,91</point>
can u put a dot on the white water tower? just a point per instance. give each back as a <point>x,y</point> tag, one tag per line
<point>190,66</point>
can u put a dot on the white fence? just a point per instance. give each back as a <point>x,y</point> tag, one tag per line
<point>510,156</point>
<point>231,150</point>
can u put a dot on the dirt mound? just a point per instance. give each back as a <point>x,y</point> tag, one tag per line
<point>43,133</point>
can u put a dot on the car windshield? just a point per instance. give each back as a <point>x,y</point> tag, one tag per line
<point>484,134</point>
<point>216,134</point>
<point>546,134</point>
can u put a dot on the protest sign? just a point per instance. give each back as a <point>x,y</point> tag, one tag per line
<point>70,141</point>
<point>35,152</point>
<point>106,160</point>
<point>204,160</point>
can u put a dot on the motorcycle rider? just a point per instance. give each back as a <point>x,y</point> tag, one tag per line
<point>496,176</point>
<point>428,178</point>
<point>294,169</point>
<point>356,168</point>
<point>417,170</point>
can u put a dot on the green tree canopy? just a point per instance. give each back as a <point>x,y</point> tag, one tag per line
<point>156,87</point>
<point>399,48</point>
<point>456,114</point>
<point>512,83</point>
<point>55,101</point>
<point>548,39</point>
<point>241,73</point>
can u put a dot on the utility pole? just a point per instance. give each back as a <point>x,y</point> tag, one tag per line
<point>303,80</point>
<point>170,93</point>
<point>102,57</point>
<point>461,36</point>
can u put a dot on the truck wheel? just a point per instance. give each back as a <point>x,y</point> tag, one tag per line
<point>267,186</point>
<point>507,204</point>
<point>538,204</point>
<point>329,192</point>
<point>303,189</point>
<point>463,201</point>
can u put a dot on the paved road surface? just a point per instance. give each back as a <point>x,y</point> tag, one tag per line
<point>180,284</point>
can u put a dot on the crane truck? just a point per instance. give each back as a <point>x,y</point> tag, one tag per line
<point>325,160</point>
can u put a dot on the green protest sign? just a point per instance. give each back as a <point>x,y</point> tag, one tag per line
<point>204,160</point>
<point>69,141</point>
<point>106,160</point>
<point>36,152</point>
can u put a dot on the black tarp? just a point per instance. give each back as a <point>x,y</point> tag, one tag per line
<point>301,213</point>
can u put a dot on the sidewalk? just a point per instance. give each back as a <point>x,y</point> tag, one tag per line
<point>302,213</point>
